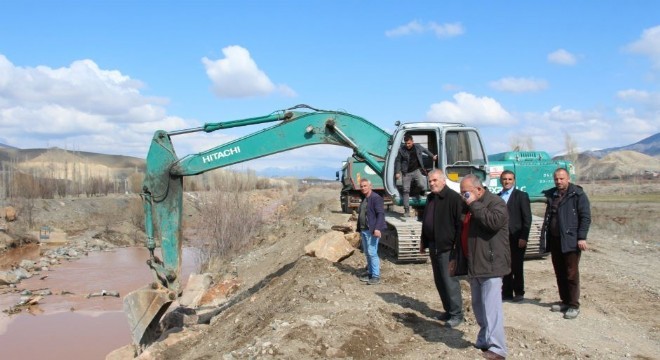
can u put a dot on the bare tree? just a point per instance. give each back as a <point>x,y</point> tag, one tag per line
<point>522,143</point>
<point>572,151</point>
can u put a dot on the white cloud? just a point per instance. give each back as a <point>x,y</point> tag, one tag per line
<point>416,27</point>
<point>472,110</point>
<point>632,123</point>
<point>519,85</point>
<point>591,130</point>
<point>81,107</point>
<point>649,99</point>
<point>562,57</point>
<point>238,76</point>
<point>557,114</point>
<point>649,45</point>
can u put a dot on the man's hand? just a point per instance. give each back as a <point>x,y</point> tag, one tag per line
<point>422,249</point>
<point>452,267</point>
<point>522,243</point>
<point>582,245</point>
<point>470,199</point>
<point>398,175</point>
<point>377,233</point>
<point>435,157</point>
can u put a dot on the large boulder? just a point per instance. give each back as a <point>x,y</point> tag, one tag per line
<point>331,246</point>
<point>195,288</point>
<point>10,213</point>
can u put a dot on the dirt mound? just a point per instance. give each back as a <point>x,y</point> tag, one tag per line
<point>617,164</point>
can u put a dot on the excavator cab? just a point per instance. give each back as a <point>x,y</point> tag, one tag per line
<point>464,155</point>
<point>459,149</point>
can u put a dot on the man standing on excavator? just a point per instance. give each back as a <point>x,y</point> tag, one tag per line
<point>409,163</point>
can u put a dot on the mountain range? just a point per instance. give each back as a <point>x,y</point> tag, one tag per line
<point>649,146</point>
<point>642,157</point>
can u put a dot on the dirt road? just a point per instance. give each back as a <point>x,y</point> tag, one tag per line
<point>298,307</point>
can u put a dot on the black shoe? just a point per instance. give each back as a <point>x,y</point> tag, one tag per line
<point>518,298</point>
<point>373,281</point>
<point>365,278</point>
<point>443,317</point>
<point>454,322</point>
<point>489,355</point>
<point>507,297</point>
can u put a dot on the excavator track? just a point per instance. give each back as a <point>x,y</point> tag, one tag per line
<point>534,241</point>
<point>402,237</point>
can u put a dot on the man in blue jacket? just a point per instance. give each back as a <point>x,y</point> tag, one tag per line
<point>370,224</point>
<point>565,227</point>
<point>409,163</point>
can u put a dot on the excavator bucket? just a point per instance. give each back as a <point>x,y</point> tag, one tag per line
<point>144,308</point>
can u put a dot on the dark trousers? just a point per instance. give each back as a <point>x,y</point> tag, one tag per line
<point>567,271</point>
<point>448,287</point>
<point>514,283</point>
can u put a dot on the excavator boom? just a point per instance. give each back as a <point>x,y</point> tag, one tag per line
<point>459,150</point>
<point>163,189</point>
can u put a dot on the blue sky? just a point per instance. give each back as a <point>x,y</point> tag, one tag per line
<point>102,76</point>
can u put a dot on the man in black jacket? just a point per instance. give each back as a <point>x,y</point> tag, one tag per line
<point>441,229</point>
<point>565,227</point>
<point>520,221</point>
<point>409,163</point>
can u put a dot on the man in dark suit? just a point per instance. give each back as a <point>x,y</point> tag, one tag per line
<point>520,221</point>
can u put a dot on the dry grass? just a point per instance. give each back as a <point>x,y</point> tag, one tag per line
<point>228,223</point>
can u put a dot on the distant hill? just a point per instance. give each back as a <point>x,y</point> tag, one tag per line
<point>617,164</point>
<point>6,146</point>
<point>321,172</point>
<point>649,146</point>
<point>61,163</point>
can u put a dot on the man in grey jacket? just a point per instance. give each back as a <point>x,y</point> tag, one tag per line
<point>486,234</point>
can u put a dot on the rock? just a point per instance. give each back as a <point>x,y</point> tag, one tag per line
<point>353,239</point>
<point>22,273</point>
<point>27,264</point>
<point>10,213</point>
<point>343,228</point>
<point>219,293</point>
<point>179,317</point>
<point>123,353</point>
<point>8,278</point>
<point>316,321</point>
<point>104,293</point>
<point>331,246</point>
<point>195,288</point>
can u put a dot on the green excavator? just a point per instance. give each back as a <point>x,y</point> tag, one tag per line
<point>459,148</point>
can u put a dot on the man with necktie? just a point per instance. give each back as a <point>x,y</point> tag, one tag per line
<point>520,221</point>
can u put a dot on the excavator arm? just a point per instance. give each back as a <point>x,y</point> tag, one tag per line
<point>163,188</point>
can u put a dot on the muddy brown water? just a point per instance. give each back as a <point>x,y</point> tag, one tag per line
<point>72,326</point>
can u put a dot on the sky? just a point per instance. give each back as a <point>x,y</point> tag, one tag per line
<point>103,76</point>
